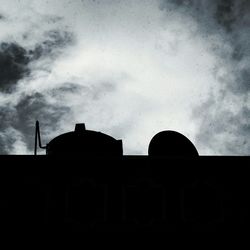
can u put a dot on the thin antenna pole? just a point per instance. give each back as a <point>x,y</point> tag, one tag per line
<point>37,126</point>
<point>38,136</point>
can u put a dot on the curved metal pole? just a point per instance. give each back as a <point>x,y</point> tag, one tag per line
<point>38,136</point>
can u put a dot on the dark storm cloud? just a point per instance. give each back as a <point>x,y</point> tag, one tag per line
<point>36,107</point>
<point>13,65</point>
<point>54,40</point>
<point>222,129</point>
<point>16,61</point>
<point>242,84</point>
<point>22,118</point>
<point>223,12</point>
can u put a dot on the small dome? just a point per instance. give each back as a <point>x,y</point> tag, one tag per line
<point>171,143</point>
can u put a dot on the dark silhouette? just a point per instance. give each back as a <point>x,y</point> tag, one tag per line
<point>171,143</point>
<point>81,142</point>
<point>74,192</point>
<point>58,195</point>
<point>91,143</point>
<point>127,193</point>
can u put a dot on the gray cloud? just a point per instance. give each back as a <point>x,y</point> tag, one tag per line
<point>55,40</point>
<point>224,116</point>
<point>37,107</point>
<point>6,141</point>
<point>20,107</point>
<point>14,61</point>
<point>21,119</point>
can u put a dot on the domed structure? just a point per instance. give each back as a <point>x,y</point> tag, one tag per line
<point>173,144</point>
<point>82,142</point>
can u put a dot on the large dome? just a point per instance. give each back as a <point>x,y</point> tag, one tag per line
<point>171,143</point>
<point>82,142</point>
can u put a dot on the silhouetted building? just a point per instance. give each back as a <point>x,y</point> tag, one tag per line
<point>126,193</point>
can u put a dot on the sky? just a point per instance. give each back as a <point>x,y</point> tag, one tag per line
<point>128,68</point>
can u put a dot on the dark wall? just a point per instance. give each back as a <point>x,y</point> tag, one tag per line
<point>124,194</point>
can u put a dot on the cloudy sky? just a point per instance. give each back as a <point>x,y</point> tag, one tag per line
<point>128,68</point>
